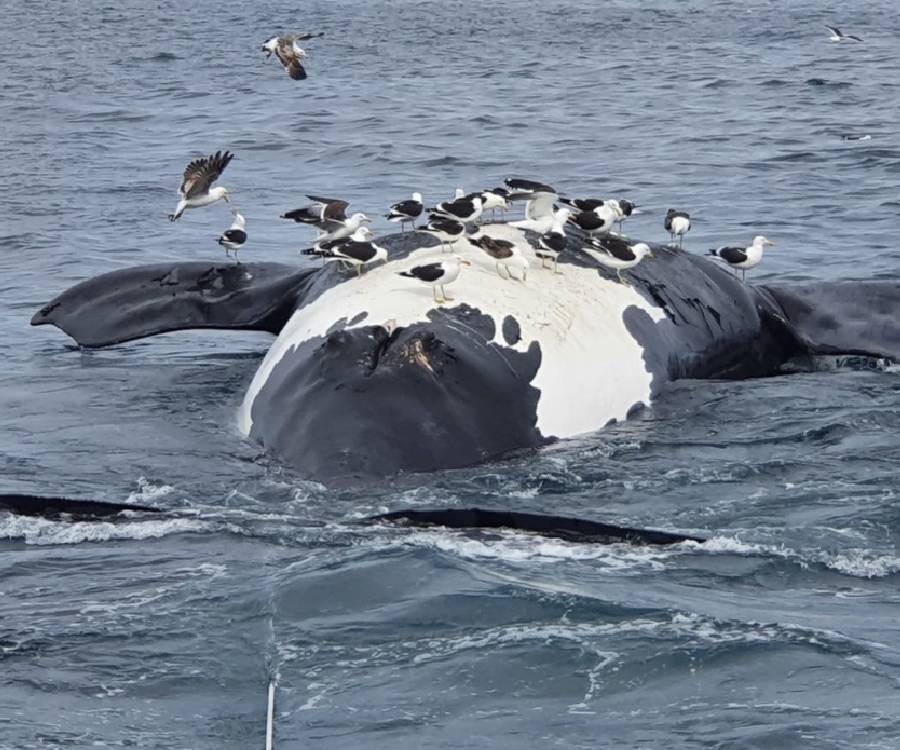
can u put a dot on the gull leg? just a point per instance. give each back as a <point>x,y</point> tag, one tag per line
<point>359,269</point>
<point>556,266</point>
<point>444,295</point>
<point>434,293</point>
<point>622,278</point>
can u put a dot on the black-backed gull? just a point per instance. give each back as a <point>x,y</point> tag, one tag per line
<point>677,223</point>
<point>619,255</point>
<point>438,274</point>
<point>447,230</point>
<point>743,258</point>
<point>406,211</point>
<point>235,236</point>
<point>838,36</point>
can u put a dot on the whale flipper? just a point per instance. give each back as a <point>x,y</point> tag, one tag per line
<point>137,302</point>
<point>560,527</point>
<point>842,317</point>
<point>56,507</point>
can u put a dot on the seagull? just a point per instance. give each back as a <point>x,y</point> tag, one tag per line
<point>289,53</point>
<point>491,200</point>
<point>551,244</point>
<point>838,36</point>
<point>677,223</point>
<point>358,252</point>
<point>406,211</point>
<point>235,236</point>
<point>619,255</point>
<point>438,275</point>
<point>598,218</point>
<point>326,249</point>
<point>329,216</point>
<point>447,230</point>
<point>504,252</point>
<point>743,258</point>
<point>195,186</point>
<point>466,209</point>
<point>539,207</point>
<point>628,209</point>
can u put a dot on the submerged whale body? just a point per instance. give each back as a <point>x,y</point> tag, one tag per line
<point>369,377</point>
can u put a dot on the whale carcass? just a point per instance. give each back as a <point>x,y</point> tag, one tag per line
<point>368,376</point>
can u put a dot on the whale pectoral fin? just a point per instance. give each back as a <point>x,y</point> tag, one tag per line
<point>842,317</point>
<point>571,529</point>
<point>143,301</point>
<point>61,507</point>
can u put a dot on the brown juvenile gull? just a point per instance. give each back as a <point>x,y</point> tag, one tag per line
<point>199,175</point>
<point>289,53</point>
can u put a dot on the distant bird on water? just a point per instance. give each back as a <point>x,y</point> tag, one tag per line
<point>438,275</point>
<point>199,175</point>
<point>677,223</point>
<point>289,53</point>
<point>838,36</point>
<point>743,258</point>
<point>235,236</point>
<point>406,211</point>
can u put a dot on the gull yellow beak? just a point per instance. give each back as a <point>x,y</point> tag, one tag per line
<point>466,262</point>
<point>769,242</point>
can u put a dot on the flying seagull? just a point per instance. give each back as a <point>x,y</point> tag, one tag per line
<point>235,236</point>
<point>743,258</point>
<point>289,53</point>
<point>838,36</point>
<point>438,275</point>
<point>199,175</point>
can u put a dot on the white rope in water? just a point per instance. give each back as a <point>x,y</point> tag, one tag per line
<point>270,714</point>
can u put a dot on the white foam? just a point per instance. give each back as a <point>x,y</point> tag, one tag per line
<point>147,492</point>
<point>41,531</point>
<point>591,371</point>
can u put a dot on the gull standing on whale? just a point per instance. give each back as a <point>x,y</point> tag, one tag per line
<point>289,53</point>
<point>406,211</point>
<point>199,175</point>
<point>235,236</point>
<point>437,275</point>
<point>551,244</point>
<point>357,251</point>
<point>539,207</point>
<point>504,252</point>
<point>743,258</point>
<point>677,223</point>
<point>619,255</point>
<point>447,230</point>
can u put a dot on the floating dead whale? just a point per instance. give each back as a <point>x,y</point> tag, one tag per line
<point>370,377</point>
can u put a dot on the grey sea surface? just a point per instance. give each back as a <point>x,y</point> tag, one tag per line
<point>781,632</point>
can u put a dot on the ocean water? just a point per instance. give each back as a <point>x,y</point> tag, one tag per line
<point>780,632</point>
